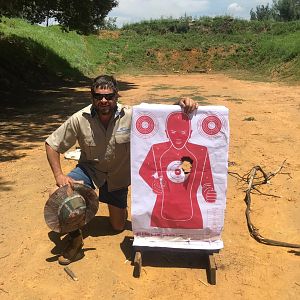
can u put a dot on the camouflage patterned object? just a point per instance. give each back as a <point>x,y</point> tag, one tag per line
<point>69,208</point>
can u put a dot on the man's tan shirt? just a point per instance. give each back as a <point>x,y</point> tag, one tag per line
<point>105,153</point>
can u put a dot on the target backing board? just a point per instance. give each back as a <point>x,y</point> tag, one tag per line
<point>179,176</point>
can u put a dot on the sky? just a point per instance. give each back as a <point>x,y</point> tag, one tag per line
<point>130,11</point>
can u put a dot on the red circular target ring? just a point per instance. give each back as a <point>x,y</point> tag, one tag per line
<point>145,125</point>
<point>211,125</point>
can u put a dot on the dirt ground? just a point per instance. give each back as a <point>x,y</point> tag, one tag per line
<point>246,268</point>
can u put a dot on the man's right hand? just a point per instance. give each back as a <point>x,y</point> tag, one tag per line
<point>62,180</point>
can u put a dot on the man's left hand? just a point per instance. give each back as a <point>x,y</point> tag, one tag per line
<point>188,105</point>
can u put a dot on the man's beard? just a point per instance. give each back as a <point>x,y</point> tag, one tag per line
<point>105,110</point>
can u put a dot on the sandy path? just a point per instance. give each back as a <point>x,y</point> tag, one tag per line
<point>247,269</point>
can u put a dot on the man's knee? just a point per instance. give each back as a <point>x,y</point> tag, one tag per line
<point>118,226</point>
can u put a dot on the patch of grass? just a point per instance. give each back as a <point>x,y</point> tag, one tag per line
<point>162,87</point>
<point>215,96</point>
<point>188,88</point>
<point>170,99</point>
<point>68,46</point>
<point>235,99</point>
<point>197,97</point>
<point>159,98</point>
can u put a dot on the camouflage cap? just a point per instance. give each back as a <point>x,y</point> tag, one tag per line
<point>70,208</point>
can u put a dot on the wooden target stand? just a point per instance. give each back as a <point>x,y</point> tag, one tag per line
<point>208,255</point>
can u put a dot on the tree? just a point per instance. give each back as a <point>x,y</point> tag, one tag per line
<point>11,8</point>
<point>39,10</point>
<point>287,10</point>
<point>263,12</point>
<point>84,16</point>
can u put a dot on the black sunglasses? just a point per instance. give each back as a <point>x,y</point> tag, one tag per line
<point>98,96</point>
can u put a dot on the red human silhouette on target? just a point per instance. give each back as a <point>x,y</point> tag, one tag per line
<point>174,170</point>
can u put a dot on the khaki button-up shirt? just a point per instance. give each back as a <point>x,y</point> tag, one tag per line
<point>105,153</point>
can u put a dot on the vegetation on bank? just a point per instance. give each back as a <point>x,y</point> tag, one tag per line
<point>267,48</point>
<point>32,55</point>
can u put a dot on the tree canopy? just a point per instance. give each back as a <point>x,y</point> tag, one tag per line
<point>84,16</point>
<point>281,10</point>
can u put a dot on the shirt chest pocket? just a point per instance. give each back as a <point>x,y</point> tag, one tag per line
<point>90,148</point>
<point>122,135</point>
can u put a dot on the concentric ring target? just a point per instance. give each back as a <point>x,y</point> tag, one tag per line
<point>211,125</point>
<point>145,125</point>
<point>174,172</point>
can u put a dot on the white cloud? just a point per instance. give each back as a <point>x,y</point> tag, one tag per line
<point>234,8</point>
<point>263,2</point>
<point>135,10</point>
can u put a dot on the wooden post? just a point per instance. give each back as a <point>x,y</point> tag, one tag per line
<point>212,268</point>
<point>137,264</point>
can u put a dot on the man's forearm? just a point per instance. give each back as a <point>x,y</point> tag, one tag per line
<point>54,160</point>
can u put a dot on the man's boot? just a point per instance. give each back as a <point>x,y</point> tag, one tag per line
<point>73,250</point>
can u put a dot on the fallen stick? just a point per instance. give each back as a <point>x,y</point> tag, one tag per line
<point>70,273</point>
<point>203,282</point>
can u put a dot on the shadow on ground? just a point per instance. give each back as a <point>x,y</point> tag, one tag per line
<point>25,124</point>
<point>98,226</point>
<point>166,257</point>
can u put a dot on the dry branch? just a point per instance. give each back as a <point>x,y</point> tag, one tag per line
<point>253,181</point>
